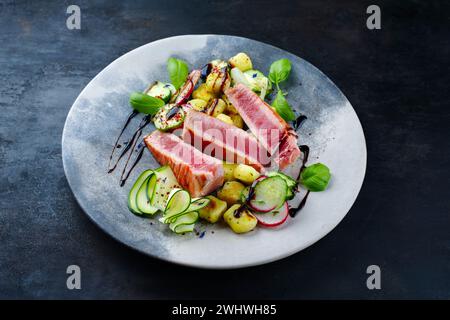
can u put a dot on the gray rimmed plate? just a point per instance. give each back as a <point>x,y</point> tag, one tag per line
<point>332,131</point>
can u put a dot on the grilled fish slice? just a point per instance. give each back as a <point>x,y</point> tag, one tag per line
<point>196,172</point>
<point>274,134</point>
<point>223,141</point>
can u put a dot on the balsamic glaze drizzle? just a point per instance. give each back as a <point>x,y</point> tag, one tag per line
<point>237,213</point>
<point>305,150</point>
<point>299,121</point>
<point>206,70</point>
<point>250,196</point>
<point>130,145</point>
<point>172,112</point>
<point>293,211</point>
<point>137,134</point>
<point>136,161</point>
<point>116,144</point>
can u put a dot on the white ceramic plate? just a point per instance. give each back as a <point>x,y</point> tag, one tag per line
<point>332,131</point>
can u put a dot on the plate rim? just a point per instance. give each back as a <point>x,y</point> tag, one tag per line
<point>193,264</point>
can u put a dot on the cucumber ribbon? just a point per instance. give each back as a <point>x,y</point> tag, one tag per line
<point>181,212</point>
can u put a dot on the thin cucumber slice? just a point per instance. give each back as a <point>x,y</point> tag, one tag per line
<point>165,183</point>
<point>160,91</point>
<point>179,201</point>
<point>134,191</point>
<point>143,201</point>
<point>151,186</point>
<point>169,117</point>
<point>290,194</point>
<point>269,194</point>
<point>291,183</point>
<point>258,82</point>
<point>197,204</point>
<point>171,87</point>
<point>184,228</point>
<point>184,223</point>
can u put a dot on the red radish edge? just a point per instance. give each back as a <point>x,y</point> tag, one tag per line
<point>259,209</point>
<point>283,215</point>
<point>185,92</point>
<point>258,179</point>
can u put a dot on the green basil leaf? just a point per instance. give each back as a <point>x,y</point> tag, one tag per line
<point>283,108</point>
<point>145,103</point>
<point>315,177</point>
<point>279,71</point>
<point>178,71</point>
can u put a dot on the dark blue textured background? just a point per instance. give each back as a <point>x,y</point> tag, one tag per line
<point>396,78</point>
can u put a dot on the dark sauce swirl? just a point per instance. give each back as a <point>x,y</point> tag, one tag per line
<point>129,146</point>
<point>294,210</point>
<point>299,121</point>
<point>117,145</point>
<point>136,136</point>
<point>173,112</point>
<point>140,149</point>
<point>305,150</point>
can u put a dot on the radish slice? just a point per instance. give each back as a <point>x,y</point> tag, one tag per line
<point>258,179</point>
<point>185,92</point>
<point>273,218</point>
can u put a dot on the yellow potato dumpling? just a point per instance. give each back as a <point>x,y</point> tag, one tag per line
<point>241,61</point>
<point>217,81</point>
<point>216,107</point>
<point>230,192</point>
<point>219,63</point>
<point>239,219</point>
<point>214,210</point>
<point>230,109</point>
<point>223,117</point>
<point>245,173</point>
<point>202,93</point>
<point>228,169</point>
<point>237,120</point>
<point>198,104</point>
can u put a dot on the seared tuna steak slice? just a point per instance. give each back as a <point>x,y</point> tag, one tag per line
<point>223,141</point>
<point>196,172</point>
<point>269,128</point>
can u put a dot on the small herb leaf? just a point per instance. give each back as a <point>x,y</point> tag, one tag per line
<point>282,107</point>
<point>279,71</point>
<point>178,71</point>
<point>145,103</point>
<point>315,177</point>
